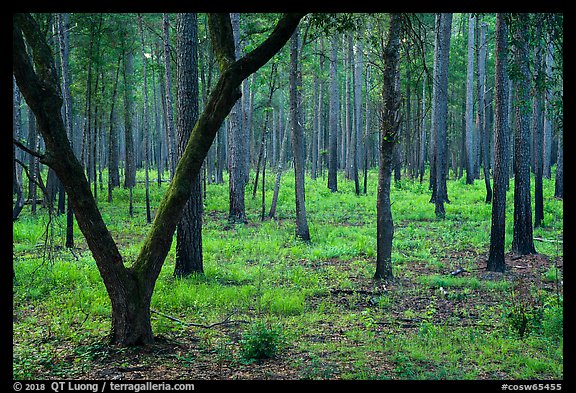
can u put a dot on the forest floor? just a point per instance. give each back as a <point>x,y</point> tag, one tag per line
<point>442,316</point>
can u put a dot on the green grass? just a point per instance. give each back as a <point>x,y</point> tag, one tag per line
<point>337,322</point>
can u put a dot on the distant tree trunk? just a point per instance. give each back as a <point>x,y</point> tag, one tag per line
<point>481,113</point>
<point>422,159</point>
<point>470,102</point>
<point>146,129</point>
<point>64,46</point>
<point>547,145</point>
<point>302,231</point>
<point>32,161</point>
<point>334,116</point>
<point>237,211</point>
<point>262,152</point>
<point>113,173</point>
<point>496,262</point>
<point>130,159</point>
<point>356,131</point>
<point>389,130</point>
<point>522,241</point>
<point>440,101</point>
<point>316,121</point>
<point>168,97</point>
<point>189,229</point>
<point>16,173</point>
<point>559,181</point>
<point>279,170</point>
<point>367,133</point>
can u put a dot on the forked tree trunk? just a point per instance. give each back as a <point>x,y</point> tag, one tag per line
<point>130,288</point>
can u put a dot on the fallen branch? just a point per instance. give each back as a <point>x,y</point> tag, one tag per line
<point>548,240</point>
<point>225,321</point>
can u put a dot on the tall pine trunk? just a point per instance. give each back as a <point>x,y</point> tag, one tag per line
<point>236,162</point>
<point>302,231</point>
<point>334,116</point>
<point>496,261</point>
<point>522,241</point>
<point>189,230</point>
<point>389,130</point>
<point>440,103</point>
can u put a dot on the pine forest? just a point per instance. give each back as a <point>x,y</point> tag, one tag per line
<point>300,196</point>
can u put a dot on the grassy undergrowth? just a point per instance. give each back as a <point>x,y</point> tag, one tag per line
<point>312,306</point>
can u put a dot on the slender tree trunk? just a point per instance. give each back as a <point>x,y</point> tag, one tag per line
<point>146,129</point>
<point>237,211</point>
<point>496,262</point>
<point>113,173</point>
<point>168,97</point>
<point>357,91</point>
<point>547,145</point>
<point>262,152</point>
<point>279,170</point>
<point>538,129</point>
<point>482,112</point>
<point>559,180</point>
<point>522,241</point>
<point>302,231</point>
<point>32,161</point>
<point>64,46</point>
<point>334,116</point>
<point>16,173</point>
<point>189,230</point>
<point>444,24</point>
<point>389,130</point>
<point>470,102</point>
<point>422,159</point>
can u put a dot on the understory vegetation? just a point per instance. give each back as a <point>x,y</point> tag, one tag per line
<point>272,307</point>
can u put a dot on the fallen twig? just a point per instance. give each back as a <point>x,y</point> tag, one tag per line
<point>225,321</point>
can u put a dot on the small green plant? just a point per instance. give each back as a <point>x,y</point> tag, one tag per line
<point>525,310</point>
<point>261,341</point>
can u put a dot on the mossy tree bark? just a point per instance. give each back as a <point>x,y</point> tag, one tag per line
<point>130,288</point>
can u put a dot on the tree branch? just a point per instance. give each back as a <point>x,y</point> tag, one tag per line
<point>27,150</point>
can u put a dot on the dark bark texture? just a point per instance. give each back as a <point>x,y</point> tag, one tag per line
<point>498,229</point>
<point>189,231</point>
<point>389,130</point>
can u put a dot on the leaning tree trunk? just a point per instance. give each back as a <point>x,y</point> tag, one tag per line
<point>130,288</point>
<point>389,130</point>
